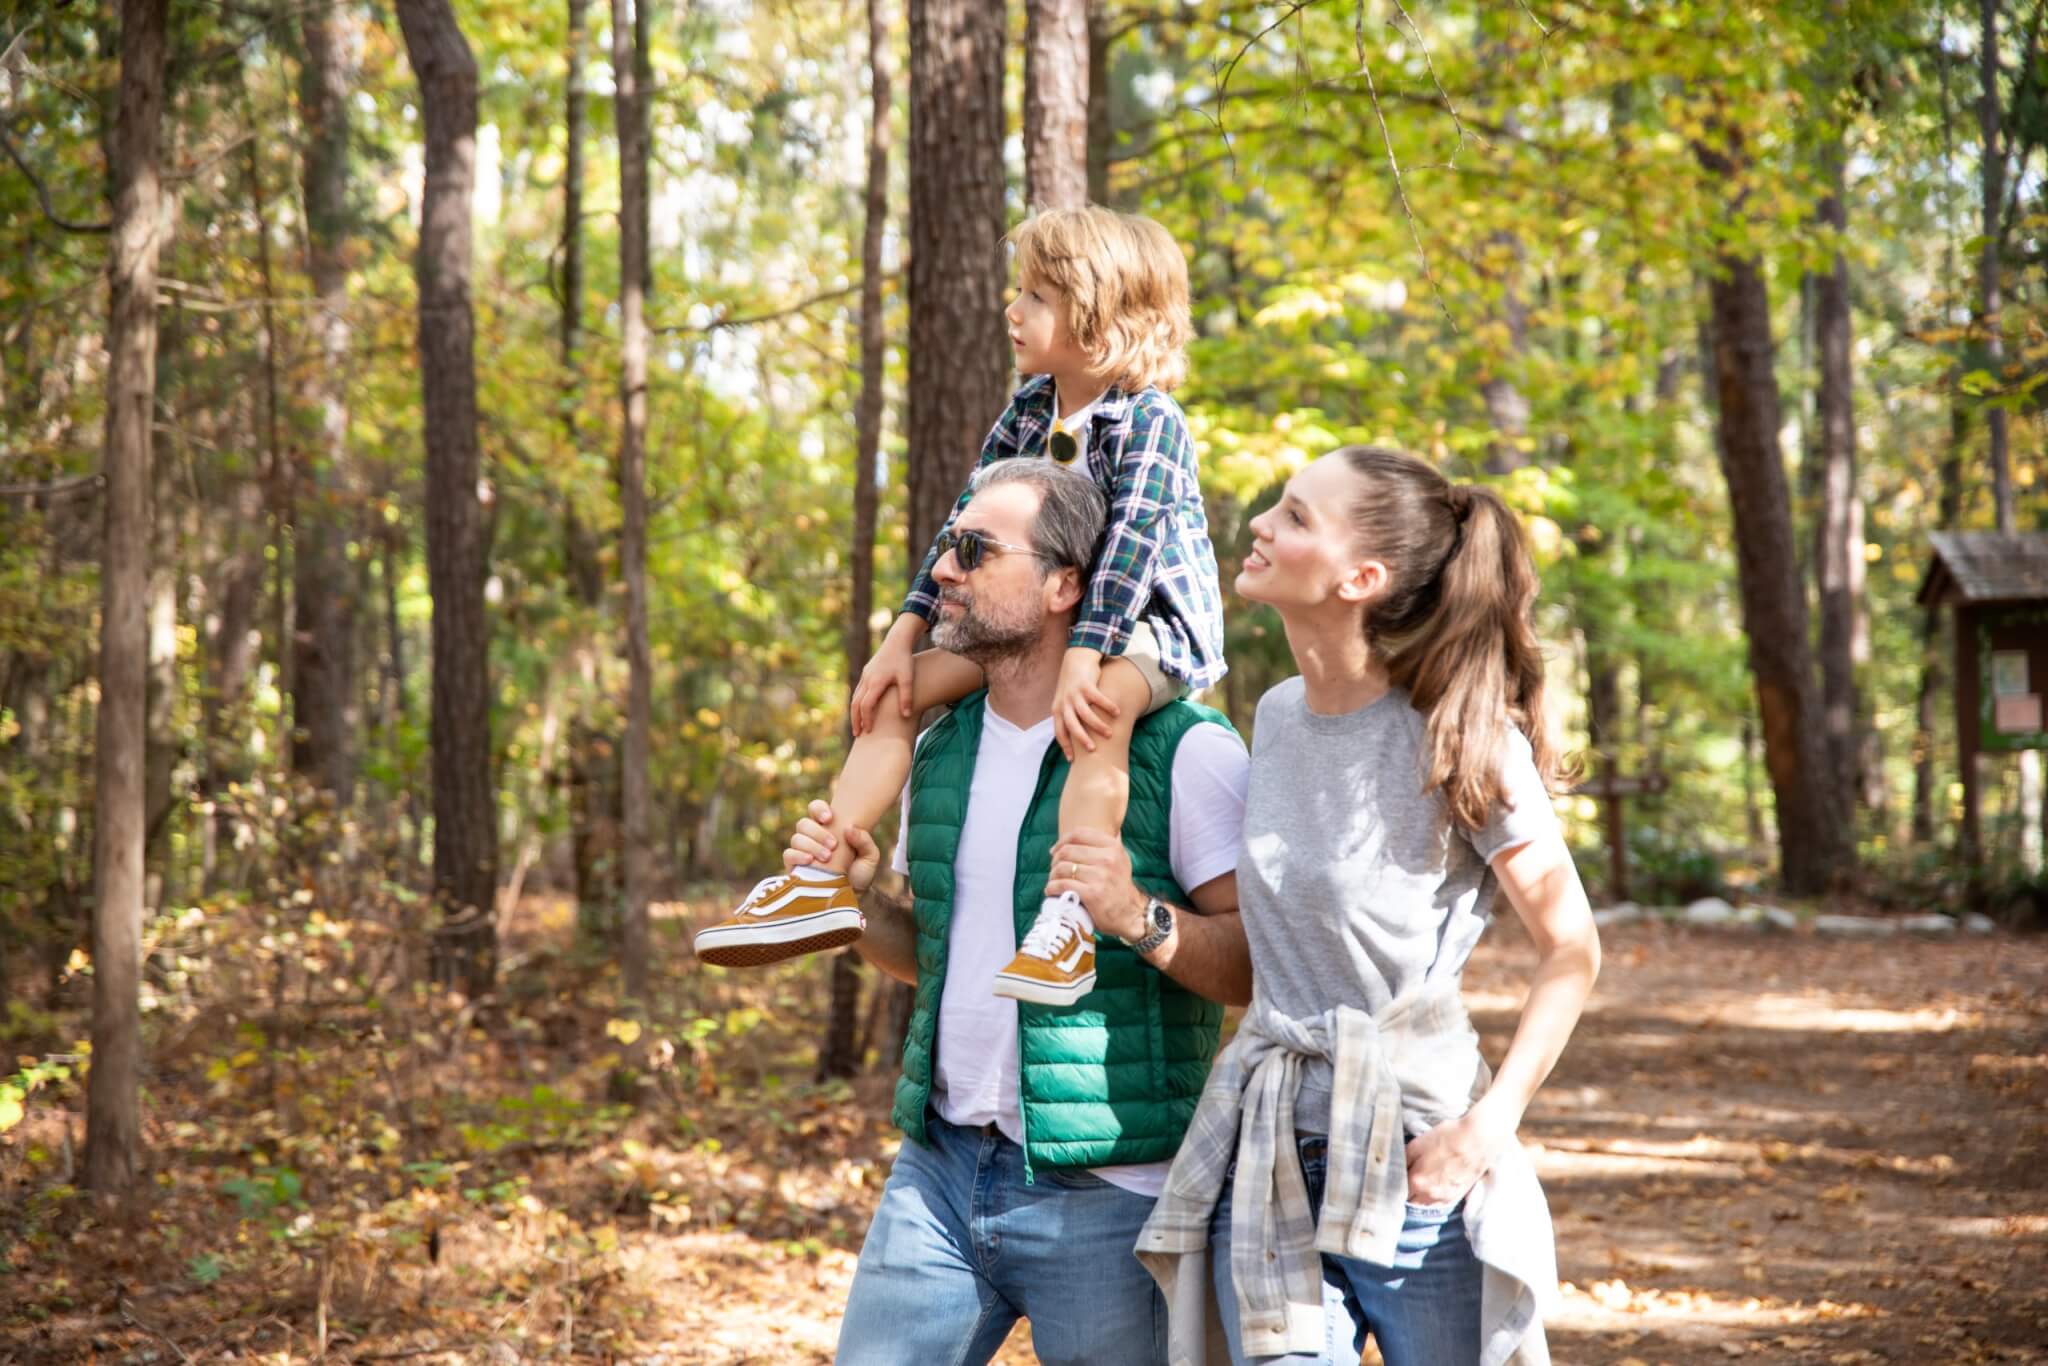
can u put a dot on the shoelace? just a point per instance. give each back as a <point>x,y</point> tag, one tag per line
<point>1054,926</point>
<point>751,906</point>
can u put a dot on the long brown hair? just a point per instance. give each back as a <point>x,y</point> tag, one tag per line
<point>1455,627</point>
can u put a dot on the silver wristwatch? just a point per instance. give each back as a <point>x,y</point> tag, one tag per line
<point>1159,916</point>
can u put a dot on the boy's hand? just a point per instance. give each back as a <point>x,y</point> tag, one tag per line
<point>814,841</point>
<point>889,668</point>
<point>1080,706</point>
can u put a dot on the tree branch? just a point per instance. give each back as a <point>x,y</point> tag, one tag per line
<point>55,488</point>
<point>727,321</point>
<point>43,191</point>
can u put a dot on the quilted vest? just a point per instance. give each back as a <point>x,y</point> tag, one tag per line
<point>1112,1078</point>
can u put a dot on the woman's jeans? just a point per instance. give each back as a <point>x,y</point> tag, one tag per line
<point>1421,1311</point>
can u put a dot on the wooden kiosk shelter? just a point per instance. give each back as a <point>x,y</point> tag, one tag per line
<point>1996,582</point>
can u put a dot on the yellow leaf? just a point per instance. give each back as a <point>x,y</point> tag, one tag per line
<point>10,1110</point>
<point>625,1031</point>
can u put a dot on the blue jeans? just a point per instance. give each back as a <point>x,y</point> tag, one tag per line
<point>1422,1311</point>
<point>960,1249</point>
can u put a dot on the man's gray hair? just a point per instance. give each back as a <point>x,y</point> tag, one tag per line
<point>1072,510</point>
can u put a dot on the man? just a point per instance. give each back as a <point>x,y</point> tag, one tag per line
<point>1037,1137</point>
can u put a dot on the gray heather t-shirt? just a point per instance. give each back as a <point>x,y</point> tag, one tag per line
<point>1355,884</point>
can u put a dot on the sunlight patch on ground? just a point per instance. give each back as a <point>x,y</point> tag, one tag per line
<point>1810,1013</point>
<point>1612,1306</point>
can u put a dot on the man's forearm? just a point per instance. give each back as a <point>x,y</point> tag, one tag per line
<point>1208,954</point>
<point>890,940</point>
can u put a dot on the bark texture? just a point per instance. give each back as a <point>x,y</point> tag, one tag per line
<point>1838,553</point>
<point>113,1128</point>
<point>628,62</point>
<point>959,361</point>
<point>1812,830</point>
<point>1056,53</point>
<point>326,712</point>
<point>465,827</point>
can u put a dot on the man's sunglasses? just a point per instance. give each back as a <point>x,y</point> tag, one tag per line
<point>970,546</point>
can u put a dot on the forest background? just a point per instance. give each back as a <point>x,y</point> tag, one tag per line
<point>453,458</point>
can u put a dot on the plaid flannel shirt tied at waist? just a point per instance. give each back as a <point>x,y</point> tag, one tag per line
<point>1382,1065</point>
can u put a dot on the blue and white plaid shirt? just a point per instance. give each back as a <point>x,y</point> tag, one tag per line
<point>1156,563</point>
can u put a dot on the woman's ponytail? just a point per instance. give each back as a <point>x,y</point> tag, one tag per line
<point>1456,629</point>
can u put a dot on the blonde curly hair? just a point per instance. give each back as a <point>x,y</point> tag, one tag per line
<point>1125,284</point>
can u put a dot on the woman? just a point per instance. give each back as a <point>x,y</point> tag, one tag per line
<point>1397,784</point>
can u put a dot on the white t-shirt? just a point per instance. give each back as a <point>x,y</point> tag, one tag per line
<point>974,1072</point>
<point>1077,422</point>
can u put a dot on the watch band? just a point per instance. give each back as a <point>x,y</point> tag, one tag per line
<point>1159,916</point>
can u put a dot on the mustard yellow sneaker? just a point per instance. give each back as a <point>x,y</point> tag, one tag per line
<point>1056,964</point>
<point>786,916</point>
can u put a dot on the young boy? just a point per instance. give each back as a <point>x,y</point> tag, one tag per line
<point>1099,324</point>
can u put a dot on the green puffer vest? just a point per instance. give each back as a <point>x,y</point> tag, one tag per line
<point>1114,1077</point>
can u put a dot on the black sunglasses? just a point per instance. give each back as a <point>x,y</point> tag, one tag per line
<point>971,545</point>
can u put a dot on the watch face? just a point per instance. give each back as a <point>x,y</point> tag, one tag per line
<point>1162,917</point>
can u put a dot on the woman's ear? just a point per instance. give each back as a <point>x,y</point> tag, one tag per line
<point>1366,581</point>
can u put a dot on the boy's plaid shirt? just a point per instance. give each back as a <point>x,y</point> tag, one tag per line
<point>1156,563</point>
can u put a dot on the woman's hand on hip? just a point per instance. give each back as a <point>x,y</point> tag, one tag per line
<point>1448,1161</point>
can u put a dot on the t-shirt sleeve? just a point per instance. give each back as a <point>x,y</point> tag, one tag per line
<point>1527,815</point>
<point>1211,773</point>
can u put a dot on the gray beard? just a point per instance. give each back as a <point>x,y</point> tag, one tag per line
<point>979,638</point>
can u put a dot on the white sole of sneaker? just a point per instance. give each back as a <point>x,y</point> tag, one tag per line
<point>1043,993</point>
<point>750,946</point>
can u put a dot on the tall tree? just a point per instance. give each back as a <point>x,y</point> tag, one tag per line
<point>629,63</point>
<point>1056,70</point>
<point>326,710</point>
<point>840,1055</point>
<point>959,368</point>
<point>593,760</point>
<point>1838,551</point>
<point>113,1129</point>
<point>1990,118</point>
<point>1813,844</point>
<point>465,825</point>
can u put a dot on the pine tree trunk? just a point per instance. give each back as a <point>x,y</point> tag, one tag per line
<point>1838,551</point>
<point>1990,116</point>
<point>113,1129</point>
<point>840,1056</point>
<point>465,818</point>
<point>326,712</point>
<point>1101,127</point>
<point>628,66</point>
<point>1056,66</point>
<point>959,359</point>
<point>1812,838</point>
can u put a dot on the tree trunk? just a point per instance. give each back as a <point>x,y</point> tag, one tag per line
<point>1056,52</point>
<point>326,712</point>
<point>959,362</point>
<point>1507,409</point>
<point>113,1130</point>
<point>840,1056</point>
<point>628,64</point>
<point>1989,299</point>
<point>1812,839</point>
<point>1101,128</point>
<point>465,819</point>
<point>594,796</point>
<point>1838,551</point>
